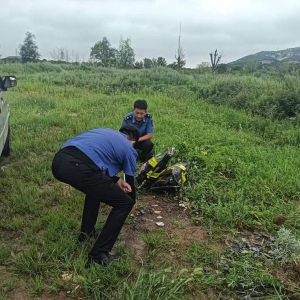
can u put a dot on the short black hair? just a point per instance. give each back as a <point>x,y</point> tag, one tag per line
<point>140,104</point>
<point>133,134</point>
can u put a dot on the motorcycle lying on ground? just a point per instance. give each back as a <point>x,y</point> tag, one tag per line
<point>156,176</point>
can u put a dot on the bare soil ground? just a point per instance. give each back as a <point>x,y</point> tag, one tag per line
<point>153,213</point>
<point>19,295</point>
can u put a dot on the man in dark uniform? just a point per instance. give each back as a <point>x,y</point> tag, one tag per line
<point>90,162</point>
<point>142,120</point>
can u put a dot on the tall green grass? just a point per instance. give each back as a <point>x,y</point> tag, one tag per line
<point>244,173</point>
<point>268,96</point>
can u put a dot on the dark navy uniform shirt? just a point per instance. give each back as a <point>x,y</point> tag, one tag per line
<point>145,126</point>
<point>109,149</point>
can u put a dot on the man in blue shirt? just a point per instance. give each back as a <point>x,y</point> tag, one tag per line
<point>142,120</point>
<point>90,162</point>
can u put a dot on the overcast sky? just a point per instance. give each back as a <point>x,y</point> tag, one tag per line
<point>236,27</point>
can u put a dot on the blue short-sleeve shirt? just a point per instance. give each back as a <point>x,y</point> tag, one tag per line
<point>145,126</point>
<point>109,149</point>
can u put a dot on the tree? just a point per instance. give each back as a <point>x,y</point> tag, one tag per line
<point>148,63</point>
<point>179,56</point>
<point>173,65</point>
<point>237,68</point>
<point>161,61</point>
<point>222,69</point>
<point>125,55</point>
<point>103,53</point>
<point>154,62</point>
<point>215,59</point>
<point>29,50</point>
<point>283,68</point>
<point>203,68</point>
<point>251,66</point>
<point>139,65</point>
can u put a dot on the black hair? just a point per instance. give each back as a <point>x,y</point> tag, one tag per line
<point>140,104</point>
<point>133,134</point>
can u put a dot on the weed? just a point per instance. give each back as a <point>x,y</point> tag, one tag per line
<point>287,247</point>
<point>153,240</point>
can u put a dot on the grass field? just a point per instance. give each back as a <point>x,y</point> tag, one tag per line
<point>244,178</point>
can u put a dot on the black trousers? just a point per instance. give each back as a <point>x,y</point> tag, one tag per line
<point>97,188</point>
<point>146,148</point>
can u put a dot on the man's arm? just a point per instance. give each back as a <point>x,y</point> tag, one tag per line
<point>149,129</point>
<point>129,171</point>
<point>145,137</point>
<point>130,181</point>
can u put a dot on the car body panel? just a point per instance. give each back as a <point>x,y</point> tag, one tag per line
<point>5,83</point>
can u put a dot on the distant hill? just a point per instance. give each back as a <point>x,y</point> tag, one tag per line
<point>10,59</point>
<point>290,55</point>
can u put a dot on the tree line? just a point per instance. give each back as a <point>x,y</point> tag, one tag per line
<point>105,55</point>
<point>122,57</point>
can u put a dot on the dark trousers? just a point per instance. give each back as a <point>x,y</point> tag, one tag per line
<point>97,188</point>
<point>146,148</point>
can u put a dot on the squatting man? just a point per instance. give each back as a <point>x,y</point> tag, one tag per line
<point>90,162</point>
<point>141,119</point>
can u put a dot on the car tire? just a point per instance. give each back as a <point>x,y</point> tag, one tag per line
<point>6,149</point>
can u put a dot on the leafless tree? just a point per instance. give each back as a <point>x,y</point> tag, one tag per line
<point>60,54</point>
<point>67,55</point>
<point>73,56</point>
<point>77,59</point>
<point>179,56</point>
<point>54,55</point>
<point>215,59</point>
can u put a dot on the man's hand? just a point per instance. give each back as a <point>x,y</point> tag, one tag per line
<point>124,185</point>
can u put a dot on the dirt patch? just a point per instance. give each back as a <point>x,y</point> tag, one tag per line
<point>19,295</point>
<point>154,212</point>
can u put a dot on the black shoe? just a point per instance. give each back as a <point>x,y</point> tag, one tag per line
<point>104,258</point>
<point>83,236</point>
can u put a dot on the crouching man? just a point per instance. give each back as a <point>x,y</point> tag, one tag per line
<point>90,162</point>
<point>142,120</point>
